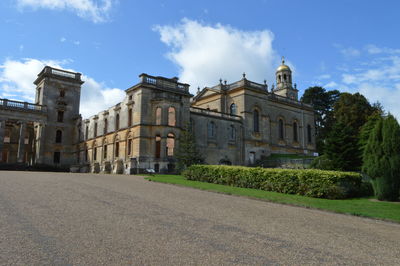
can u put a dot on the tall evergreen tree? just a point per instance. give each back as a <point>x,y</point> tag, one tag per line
<point>340,148</point>
<point>322,102</point>
<point>381,158</point>
<point>187,152</point>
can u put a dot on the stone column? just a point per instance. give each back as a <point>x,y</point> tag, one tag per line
<point>2,130</point>
<point>21,143</point>
<point>40,149</point>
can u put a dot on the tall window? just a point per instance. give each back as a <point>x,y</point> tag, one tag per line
<point>295,137</point>
<point>57,157</point>
<point>130,117</point>
<point>280,129</point>
<point>95,154</point>
<point>233,109</point>
<point>309,137</point>
<point>232,133</point>
<point>117,149</point>
<point>62,93</point>
<point>60,116</point>
<point>105,126</point>
<point>87,132</point>
<point>170,144</point>
<point>171,116</point>
<point>256,121</point>
<point>211,129</point>
<point>129,146</point>
<point>158,147</point>
<point>95,129</point>
<point>58,136</point>
<point>105,151</point>
<point>117,122</point>
<point>158,116</point>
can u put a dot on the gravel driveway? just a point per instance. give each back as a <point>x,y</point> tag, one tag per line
<point>89,219</point>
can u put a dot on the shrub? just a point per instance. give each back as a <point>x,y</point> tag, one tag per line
<point>322,162</point>
<point>306,182</point>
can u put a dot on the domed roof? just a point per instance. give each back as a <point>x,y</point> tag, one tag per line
<point>283,67</point>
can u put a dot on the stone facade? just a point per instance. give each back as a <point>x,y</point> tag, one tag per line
<point>234,123</point>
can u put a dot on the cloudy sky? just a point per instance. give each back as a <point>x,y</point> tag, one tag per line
<point>346,45</point>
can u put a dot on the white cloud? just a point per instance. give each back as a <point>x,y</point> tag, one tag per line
<point>96,11</point>
<point>324,76</point>
<point>63,39</point>
<point>350,52</point>
<point>77,42</point>
<point>206,53</point>
<point>373,49</point>
<point>331,85</point>
<point>16,82</point>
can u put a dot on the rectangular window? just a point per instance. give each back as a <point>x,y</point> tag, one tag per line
<point>105,152</point>
<point>60,116</point>
<point>129,147</point>
<point>57,157</point>
<point>117,149</point>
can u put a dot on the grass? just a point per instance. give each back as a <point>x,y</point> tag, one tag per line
<point>360,206</point>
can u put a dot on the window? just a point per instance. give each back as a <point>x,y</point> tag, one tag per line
<point>170,144</point>
<point>57,157</point>
<point>129,146</point>
<point>117,149</point>
<point>171,117</point>
<point>105,126</point>
<point>256,121</point>
<point>211,129</point>
<point>232,133</point>
<point>280,129</point>
<point>158,147</point>
<point>279,78</point>
<point>284,77</point>
<point>62,93</point>
<point>95,154</point>
<point>105,151</point>
<point>86,155</point>
<point>58,136</point>
<point>7,136</point>
<point>295,137</point>
<point>117,122</point>
<point>130,117</point>
<point>60,116</point>
<point>156,167</point>
<point>158,116</point>
<point>87,132</point>
<point>232,109</point>
<point>95,129</point>
<point>309,136</point>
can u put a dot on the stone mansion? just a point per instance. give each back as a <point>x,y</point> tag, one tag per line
<point>235,123</point>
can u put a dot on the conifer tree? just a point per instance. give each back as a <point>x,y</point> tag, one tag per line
<point>187,152</point>
<point>381,159</point>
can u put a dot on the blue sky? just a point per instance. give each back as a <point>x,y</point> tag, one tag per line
<point>346,45</point>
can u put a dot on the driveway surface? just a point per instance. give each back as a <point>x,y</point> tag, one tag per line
<point>89,219</point>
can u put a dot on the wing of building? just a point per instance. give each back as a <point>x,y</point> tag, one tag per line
<point>235,123</point>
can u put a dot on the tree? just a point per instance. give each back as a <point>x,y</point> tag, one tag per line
<point>381,158</point>
<point>340,148</point>
<point>187,152</point>
<point>366,130</point>
<point>322,102</point>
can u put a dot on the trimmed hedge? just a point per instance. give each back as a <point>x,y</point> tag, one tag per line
<point>306,182</point>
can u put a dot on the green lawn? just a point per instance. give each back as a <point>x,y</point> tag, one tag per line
<point>360,207</point>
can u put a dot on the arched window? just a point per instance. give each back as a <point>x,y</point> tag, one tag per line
<point>232,133</point>
<point>130,117</point>
<point>117,149</point>
<point>233,109</point>
<point>309,136</point>
<point>105,126</point>
<point>117,122</point>
<point>171,117</point>
<point>95,129</point>
<point>280,129</point>
<point>158,116</point>
<point>211,129</point>
<point>58,136</point>
<point>279,78</point>
<point>170,144</point>
<point>256,121</point>
<point>158,147</point>
<point>295,137</point>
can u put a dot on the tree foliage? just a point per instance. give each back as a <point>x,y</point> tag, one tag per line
<point>381,158</point>
<point>323,102</point>
<point>187,152</point>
